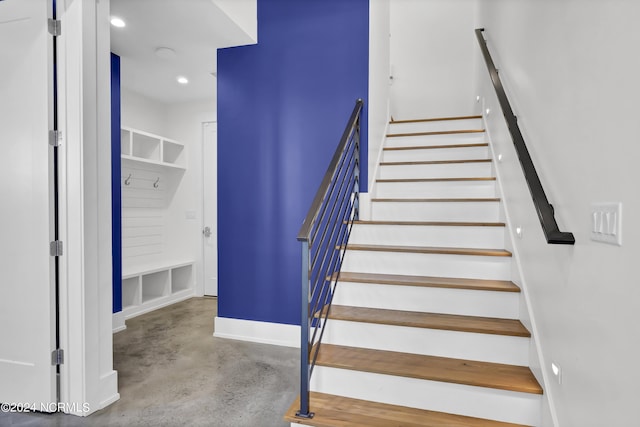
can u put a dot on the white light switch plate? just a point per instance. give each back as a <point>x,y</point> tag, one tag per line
<point>606,223</point>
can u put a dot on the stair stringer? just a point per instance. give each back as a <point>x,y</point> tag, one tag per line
<point>527,317</point>
<point>365,198</point>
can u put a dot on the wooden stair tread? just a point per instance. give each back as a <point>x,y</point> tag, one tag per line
<point>427,250</point>
<point>434,147</point>
<point>437,132</point>
<point>435,162</point>
<point>437,200</point>
<point>436,119</point>
<point>339,411</point>
<point>399,180</point>
<point>433,223</point>
<point>433,368</point>
<point>416,319</point>
<point>427,281</point>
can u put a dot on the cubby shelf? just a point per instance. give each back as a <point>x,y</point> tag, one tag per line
<point>145,147</point>
<point>147,288</point>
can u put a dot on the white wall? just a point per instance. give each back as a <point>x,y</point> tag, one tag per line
<point>379,84</point>
<point>432,45</point>
<point>573,83</point>
<point>142,113</point>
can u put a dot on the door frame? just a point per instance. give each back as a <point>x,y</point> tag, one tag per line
<point>214,227</point>
<point>88,381</point>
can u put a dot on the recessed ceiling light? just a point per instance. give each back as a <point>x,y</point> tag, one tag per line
<point>117,22</point>
<point>182,80</point>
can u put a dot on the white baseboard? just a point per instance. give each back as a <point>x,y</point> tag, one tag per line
<point>260,332</point>
<point>109,389</point>
<point>118,322</point>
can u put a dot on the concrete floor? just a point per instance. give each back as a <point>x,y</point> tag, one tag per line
<point>173,372</point>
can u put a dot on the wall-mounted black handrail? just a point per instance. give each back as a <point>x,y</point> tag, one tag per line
<point>325,229</point>
<point>543,207</point>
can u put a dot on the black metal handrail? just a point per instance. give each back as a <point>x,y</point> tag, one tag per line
<point>324,231</point>
<point>543,207</point>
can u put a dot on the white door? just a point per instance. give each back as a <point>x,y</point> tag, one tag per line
<point>27,310</point>
<point>210,206</point>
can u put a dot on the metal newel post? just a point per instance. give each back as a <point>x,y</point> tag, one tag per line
<point>357,171</point>
<point>304,336</point>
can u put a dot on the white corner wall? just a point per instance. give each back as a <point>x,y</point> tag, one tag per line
<point>379,82</point>
<point>573,83</point>
<point>87,375</point>
<point>244,13</point>
<point>432,49</point>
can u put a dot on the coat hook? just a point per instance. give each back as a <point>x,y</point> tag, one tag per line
<point>155,184</point>
<point>128,180</point>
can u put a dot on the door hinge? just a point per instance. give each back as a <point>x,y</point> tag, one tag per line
<point>56,248</point>
<point>55,136</point>
<point>57,357</point>
<point>55,27</point>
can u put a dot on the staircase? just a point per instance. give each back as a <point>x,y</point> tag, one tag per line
<point>424,327</point>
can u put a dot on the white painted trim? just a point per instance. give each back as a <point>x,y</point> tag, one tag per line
<point>109,383</point>
<point>118,322</point>
<point>373,175</point>
<point>522,283</point>
<point>260,332</point>
<point>86,317</point>
<point>158,303</point>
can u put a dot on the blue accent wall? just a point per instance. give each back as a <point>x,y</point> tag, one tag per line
<point>282,107</point>
<point>116,197</point>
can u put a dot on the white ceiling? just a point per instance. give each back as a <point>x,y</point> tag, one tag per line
<point>194,29</point>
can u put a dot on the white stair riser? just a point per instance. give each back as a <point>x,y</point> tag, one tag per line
<point>434,342</point>
<point>429,140</point>
<point>503,305</point>
<point>437,189</point>
<point>435,154</point>
<point>435,211</point>
<point>447,170</point>
<point>502,405</point>
<point>438,265</point>
<point>434,126</point>
<point>421,235</point>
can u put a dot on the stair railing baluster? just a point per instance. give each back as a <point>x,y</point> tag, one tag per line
<point>325,230</point>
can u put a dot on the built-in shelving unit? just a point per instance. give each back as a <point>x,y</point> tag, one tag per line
<point>152,168</point>
<point>145,147</point>
<point>147,288</point>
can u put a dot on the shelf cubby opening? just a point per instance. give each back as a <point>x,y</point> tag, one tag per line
<point>145,147</point>
<point>181,278</point>
<point>172,152</point>
<point>130,292</point>
<point>155,285</point>
<point>125,142</point>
